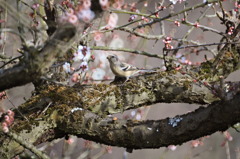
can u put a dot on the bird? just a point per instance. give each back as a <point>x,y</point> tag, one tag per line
<point>121,69</point>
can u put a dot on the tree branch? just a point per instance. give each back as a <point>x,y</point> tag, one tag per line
<point>68,114</point>
<point>38,62</point>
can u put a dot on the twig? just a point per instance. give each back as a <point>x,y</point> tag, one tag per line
<point>175,14</point>
<point>5,63</point>
<point>27,145</point>
<point>144,53</point>
<point>17,108</point>
<point>199,45</point>
<point>235,129</point>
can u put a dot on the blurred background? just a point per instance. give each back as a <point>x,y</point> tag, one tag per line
<point>217,146</point>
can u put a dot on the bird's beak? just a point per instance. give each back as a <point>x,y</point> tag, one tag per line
<point>108,57</point>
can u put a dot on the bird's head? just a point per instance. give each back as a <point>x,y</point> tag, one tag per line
<point>112,58</point>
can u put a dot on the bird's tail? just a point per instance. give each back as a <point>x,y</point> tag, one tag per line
<point>147,71</point>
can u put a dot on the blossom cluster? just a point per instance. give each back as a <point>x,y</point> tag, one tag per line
<point>80,12</point>
<point>237,6</point>
<point>8,120</point>
<point>167,42</point>
<point>175,1</point>
<point>81,58</point>
<point>3,95</point>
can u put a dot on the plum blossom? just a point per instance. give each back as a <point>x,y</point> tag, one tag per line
<point>228,136</point>
<point>8,120</point>
<point>112,20</point>
<point>69,16</point>
<point>35,6</point>
<point>177,23</point>
<point>138,116</point>
<point>3,95</point>
<point>86,4</point>
<point>132,17</point>
<point>98,36</point>
<point>83,54</point>
<point>75,77</point>
<point>85,15</point>
<point>108,149</point>
<point>173,1</point>
<point>73,19</point>
<point>196,143</point>
<point>196,25</point>
<point>167,42</point>
<point>172,147</point>
<point>84,66</point>
<point>103,3</point>
<point>66,67</point>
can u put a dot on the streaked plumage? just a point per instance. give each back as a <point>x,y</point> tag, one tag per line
<point>122,69</point>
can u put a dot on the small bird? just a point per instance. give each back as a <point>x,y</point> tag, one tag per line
<point>122,69</point>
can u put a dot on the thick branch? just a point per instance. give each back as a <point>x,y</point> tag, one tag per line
<point>64,115</point>
<point>45,110</point>
<point>154,133</point>
<point>38,62</point>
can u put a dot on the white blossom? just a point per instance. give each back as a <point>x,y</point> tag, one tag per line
<point>173,1</point>
<point>66,67</point>
<point>83,54</point>
<point>86,15</point>
<point>84,66</point>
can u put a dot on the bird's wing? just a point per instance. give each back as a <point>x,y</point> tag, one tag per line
<point>127,67</point>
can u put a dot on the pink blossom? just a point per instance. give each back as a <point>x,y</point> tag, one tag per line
<point>230,30</point>
<point>196,143</point>
<point>145,19</point>
<point>35,5</point>
<point>70,141</point>
<point>178,68</point>
<point>5,129</point>
<point>84,66</point>
<point>145,4</point>
<point>97,36</point>
<point>3,95</point>
<point>73,19</point>
<point>103,3</point>
<point>7,118</point>
<point>177,23</point>
<point>4,124</point>
<point>10,112</point>
<point>167,40</point>
<point>237,5</point>
<point>132,17</point>
<point>228,136</point>
<point>86,4</point>
<point>118,4</point>
<point>196,25</point>
<point>86,15</point>
<point>172,147</point>
<point>108,149</point>
<point>70,11</point>
<point>75,77</point>
<point>112,20</point>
